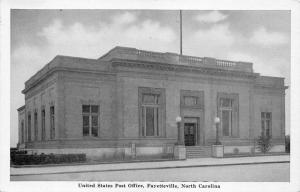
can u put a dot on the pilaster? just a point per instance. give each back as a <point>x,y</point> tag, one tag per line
<point>251,113</point>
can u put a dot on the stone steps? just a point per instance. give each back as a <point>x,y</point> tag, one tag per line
<point>195,152</point>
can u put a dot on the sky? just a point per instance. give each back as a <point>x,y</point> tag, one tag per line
<point>37,36</point>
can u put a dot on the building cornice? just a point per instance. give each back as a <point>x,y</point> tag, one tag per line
<point>21,108</point>
<point>150,66</point>
<point>180,68</point>
<point>270,87</point>
<point>57,69</point>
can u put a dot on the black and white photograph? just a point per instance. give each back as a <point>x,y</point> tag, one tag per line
<point>149,99</point>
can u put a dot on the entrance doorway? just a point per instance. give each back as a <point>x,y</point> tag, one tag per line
<point>190,134</point>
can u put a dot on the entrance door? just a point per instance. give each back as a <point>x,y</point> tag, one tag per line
<point>189,134</point>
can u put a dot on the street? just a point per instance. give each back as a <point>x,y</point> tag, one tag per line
<point>270,172</point>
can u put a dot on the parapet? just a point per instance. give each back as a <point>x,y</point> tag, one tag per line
<point>126,53</point>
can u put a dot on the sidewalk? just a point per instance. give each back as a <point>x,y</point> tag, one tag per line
<point>201,162</point>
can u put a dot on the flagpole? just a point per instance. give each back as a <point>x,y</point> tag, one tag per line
<point>180,11</point>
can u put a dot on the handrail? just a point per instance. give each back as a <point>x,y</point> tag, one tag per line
<point>149,54</point>
<point>224,63</point>
<point>184,59</point>
<point>190,59</point>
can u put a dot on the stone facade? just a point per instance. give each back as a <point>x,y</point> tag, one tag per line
<point>191,87</point>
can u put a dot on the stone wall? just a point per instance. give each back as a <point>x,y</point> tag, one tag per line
<point>250,149</point>
<point>268,100</point>
<point>173,85</point>
<point>89,89</point>
<point>43,95</point>
<point>130,152</point>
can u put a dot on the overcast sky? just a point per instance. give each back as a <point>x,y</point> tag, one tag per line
<point>261,37</point>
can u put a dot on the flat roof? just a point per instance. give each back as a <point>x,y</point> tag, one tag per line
<point>128,53</point>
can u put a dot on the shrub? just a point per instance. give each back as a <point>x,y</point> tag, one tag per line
<point>24,159</point>
<point>287,143</point>
<point>236,150</point>
<point>104,156</point>
<point>264,143</point>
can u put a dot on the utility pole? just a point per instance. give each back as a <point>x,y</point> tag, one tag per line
<point>180,12</point>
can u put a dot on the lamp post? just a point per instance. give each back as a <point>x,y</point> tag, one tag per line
<point>179,149</point>
<point>217,148</point>
<point>178,122</point>
<point>217,122</point>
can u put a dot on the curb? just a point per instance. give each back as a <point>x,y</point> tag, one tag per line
<point>153,168</point>
<point>131,161</point>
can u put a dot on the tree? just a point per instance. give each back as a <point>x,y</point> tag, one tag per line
<point>287,143</point>
<point>264,142</point>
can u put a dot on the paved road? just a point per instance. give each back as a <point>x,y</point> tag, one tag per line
<point>277,172</point>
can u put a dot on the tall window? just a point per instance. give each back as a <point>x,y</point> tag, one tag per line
<point>90,117</point>
<point>43,114</point>
<point>151,112</point>
<point>22,132</point>
<point>35,126</point>
<point>266,123</point>
<point>228,114</point>
<point>52,123</point>
<point>29,127</point>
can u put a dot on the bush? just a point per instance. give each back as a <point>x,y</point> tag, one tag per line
<point>264,143</point>
<point>287,143</point>
<point>24,159</point>
<point>236,151</point>
<point>15,152</point>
